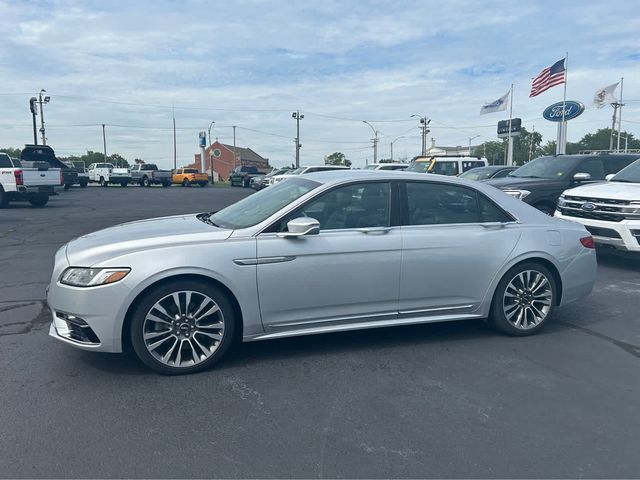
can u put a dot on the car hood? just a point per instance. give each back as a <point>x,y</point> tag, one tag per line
<point>613,190</point>
<point>517,182</point>
<point>101,246</point>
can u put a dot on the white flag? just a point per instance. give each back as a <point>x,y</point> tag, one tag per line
<point>496,106</point>
<point>604,96</point>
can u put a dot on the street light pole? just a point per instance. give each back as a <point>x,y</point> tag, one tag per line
<point>210,156</point>
<point>34,112</point>
<point>392,142</point>
<point>41,101</point>
<point>471,138</point>
<point>104,143</point>
<point>298,116</point>
<point>375,143</point>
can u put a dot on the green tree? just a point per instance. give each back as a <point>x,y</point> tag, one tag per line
<point>525,147</point>
<point>12,152</point>
<point>337,158</point>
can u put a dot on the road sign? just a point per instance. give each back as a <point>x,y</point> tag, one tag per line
<point>503,127</point>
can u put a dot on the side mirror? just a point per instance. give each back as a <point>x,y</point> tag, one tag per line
<point>582,177</point>
<point>609,177</point>
<point>301,226</point>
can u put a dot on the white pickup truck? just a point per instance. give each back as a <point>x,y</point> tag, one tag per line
<point>33,185</point>
<point>106,173</point>
<point>610,210</point>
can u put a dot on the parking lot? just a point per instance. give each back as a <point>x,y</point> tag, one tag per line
<point>438,400</point>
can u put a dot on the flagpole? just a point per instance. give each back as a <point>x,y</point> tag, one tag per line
<point>620,115</point>
<point>562,148</point>
<point>510,142</point>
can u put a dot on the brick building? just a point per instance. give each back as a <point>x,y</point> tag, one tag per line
<point>224,162</point>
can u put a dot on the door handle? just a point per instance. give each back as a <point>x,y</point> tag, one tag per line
<point>375,230</point>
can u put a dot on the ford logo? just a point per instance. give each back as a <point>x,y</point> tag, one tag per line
<point>589,207</point>
<point>572,109</point>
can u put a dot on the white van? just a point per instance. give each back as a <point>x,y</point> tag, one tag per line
<point>451,166</point>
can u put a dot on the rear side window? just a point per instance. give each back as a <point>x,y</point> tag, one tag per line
<point>445,167</point>
<point>5,161</point>
<point>440,204</point>
<point>490,212</point>
<point>190,170</point>
<point>592,166</point>
<point>468,165</point>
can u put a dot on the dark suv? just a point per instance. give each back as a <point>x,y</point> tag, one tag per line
<point>541,181</point>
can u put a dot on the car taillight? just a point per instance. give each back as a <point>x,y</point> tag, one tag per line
<point>588,242</point>
<point>19,178</point>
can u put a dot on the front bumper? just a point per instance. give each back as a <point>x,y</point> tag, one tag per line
<point>88,318</point>
<point>624,235</point>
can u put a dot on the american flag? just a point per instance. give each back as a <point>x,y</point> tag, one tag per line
<point>549,77</point>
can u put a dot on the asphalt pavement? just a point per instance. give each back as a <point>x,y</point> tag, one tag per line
<point>446,400</point>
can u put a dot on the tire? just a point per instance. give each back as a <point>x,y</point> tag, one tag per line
<point>83,184</point>
<point>203,184</point>
<point>186,183</point>
<point>103,182</point>
<point>67,186</point>
<point>182,332</point>
<point>39,200</point>
<point>545,208</point>
<point>519,311</point>
<point>245,183</point>
<point>146,182</point>
<point>4,200</point>
<point>166,184</point>
<point>124,184</point>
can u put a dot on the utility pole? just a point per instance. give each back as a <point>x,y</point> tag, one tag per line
<point>615,106</point>
<point>234,146</point>
<point>104,143</point>
<point>470,139</point>
<point>34,112</point>
<point>424,127</point>
<point>298,116</point>
<point>375,143</point>
<point>175,161</point>
<point>510,141</point>
<point>41,101</point>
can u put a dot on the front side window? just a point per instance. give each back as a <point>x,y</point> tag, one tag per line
<point>446,168</point>
<point>547,167</point>
<point>593,167</point>
<point>438,203</point>
<point>361,205</point>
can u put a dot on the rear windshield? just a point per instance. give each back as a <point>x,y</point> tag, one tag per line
<point>5,161</point>
<point>478,173</point>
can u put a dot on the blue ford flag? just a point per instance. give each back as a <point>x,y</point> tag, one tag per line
<point>496,106</point>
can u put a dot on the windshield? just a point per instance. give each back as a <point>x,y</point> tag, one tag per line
<point>297,171</point>
<point>477,174</point>
<point>420,167</point>
<point>630,174</point>
<point>547,167</point>
<point>261,205</point>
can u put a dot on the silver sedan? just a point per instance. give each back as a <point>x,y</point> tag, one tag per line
<point>317,253</point>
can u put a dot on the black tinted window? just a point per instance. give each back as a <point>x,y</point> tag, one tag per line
<point>435,203</point>
<point>490,212</point>
<point>353,206</point>
<point>471,164</point>
<point>444,167</point>
<point>615,164</point>
<point>5,161</point>
<point>592,166</point>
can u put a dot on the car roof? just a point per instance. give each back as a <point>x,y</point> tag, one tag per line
<point>494,167</point>
<point>339,176</point>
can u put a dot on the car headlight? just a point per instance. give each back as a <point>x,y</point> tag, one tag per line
<point>92,277</point>
<point>519,194</point>
<point>561,201</point>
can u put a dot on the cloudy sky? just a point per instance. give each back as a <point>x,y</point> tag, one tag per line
<point>251,63</point>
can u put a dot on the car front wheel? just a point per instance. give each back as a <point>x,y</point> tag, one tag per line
<point>524,300</point>
<point>182,327</point>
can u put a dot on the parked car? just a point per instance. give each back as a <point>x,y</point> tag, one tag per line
<point>541,181</point>
<point>147,174</point>
<point>306,171</point>
<point>29,184</point>
<point>189,176</point>
<point>81,175</point>
<point>258,183</point>
<point>387,166</point>
<point>44,153</point>
<point>610,211</point>
<point>106,173</point>
<point>242,175</point>
<point>481,174</point>
<point>351,250</point>
<point>450,166</point>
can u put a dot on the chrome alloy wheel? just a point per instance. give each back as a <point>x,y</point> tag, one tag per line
<point>183,328</point>
<point>527,299</point>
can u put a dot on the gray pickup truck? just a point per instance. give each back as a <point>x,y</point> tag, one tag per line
<point>147,174</point>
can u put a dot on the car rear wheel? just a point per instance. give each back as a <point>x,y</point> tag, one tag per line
<point>186,183</point>
<point>182,327</point>
<point>203,184</point>
<point>166,184</point>
<point>67,186</point>
<point>83,184</point>
<point>103,182</point>
<point>123,184</point>
<point>146,182</point>
<point>524,300</point>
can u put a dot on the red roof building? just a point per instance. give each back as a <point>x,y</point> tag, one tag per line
<point>224,160</point>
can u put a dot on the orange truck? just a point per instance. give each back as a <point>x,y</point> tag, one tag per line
<point>189,176</point>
